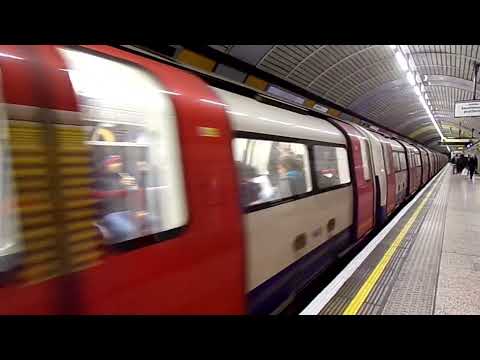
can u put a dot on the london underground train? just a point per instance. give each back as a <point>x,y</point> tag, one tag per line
<point>132,186</point>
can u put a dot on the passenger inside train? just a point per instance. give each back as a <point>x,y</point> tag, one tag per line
<point>270,170</point>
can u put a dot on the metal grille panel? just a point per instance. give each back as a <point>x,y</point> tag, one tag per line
<point>366,78</point>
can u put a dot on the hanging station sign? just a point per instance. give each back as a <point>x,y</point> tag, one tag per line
<point>467,108</point>
<point>455,142</point>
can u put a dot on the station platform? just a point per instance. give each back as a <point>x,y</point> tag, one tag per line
<point>425,261</point>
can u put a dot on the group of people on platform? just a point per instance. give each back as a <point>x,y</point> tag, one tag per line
<point>463,163</point>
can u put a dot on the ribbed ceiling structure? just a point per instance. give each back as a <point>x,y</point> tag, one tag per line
<point>368,80</point>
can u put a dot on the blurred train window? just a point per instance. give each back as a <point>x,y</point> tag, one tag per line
<point>387,158</point>
<point>271,170</point>
<point>419,160</point>
<point>365,159</point>
<point>396,161</point>
<point>331,166</point>
<point>131,128</point>
<point>403,161</point>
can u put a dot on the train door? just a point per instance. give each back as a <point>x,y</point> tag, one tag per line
<point>390,173</point>
<point>410,167</point>
<point>187,225</point>
<point>418,167</point>
<point>379,175</point>
<point>363,172</point>
<point>432,163</point>
<point>425,169</point>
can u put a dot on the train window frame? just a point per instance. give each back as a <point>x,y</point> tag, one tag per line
<point>366,161</point>
<point>396,161</point>
<point>314,153</point>
<point>419,160</point>
<point>386,159</point>
<point>309,145</point>
<point>401,154</point>
<point>156,236</point>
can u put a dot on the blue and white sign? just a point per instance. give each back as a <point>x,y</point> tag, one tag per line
<point>467,108</point>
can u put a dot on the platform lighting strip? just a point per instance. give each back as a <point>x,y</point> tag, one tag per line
<point>406,63</point>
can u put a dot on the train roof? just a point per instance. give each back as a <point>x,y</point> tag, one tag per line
<point>250,115</point>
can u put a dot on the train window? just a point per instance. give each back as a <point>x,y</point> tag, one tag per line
<point>419,161</point>
<point>331,166</point>
<point>387,158</point>
<point>403,161</point>
<point>271,170</point>
<point>365,159</point>
<point>130,126</point>
<point>396,161</point>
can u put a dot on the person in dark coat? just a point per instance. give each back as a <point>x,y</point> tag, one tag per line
<point>472,165</point>
<point>460,164</point>
<point>249,190</point>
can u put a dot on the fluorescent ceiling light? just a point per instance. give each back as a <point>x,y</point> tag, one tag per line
<point>411,64</point>
<point>401,61</point>
<point>410,78</point>
<point>417,90</point>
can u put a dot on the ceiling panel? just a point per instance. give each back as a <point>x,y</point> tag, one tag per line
<point>367,79</point>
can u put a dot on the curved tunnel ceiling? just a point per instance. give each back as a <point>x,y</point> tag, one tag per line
<point>367,80</point>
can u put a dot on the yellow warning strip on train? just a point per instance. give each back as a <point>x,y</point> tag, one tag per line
<point>362,294</point>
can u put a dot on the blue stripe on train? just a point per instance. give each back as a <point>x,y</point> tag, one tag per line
<point>269,295</point>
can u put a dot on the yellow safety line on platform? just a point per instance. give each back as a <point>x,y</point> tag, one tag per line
<point>369,284</point>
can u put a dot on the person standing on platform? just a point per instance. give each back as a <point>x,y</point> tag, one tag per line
<point>472,165</point>
<point>459,164</point>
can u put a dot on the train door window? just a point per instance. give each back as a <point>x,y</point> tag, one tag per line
<point>9,241</point>
<point>403,161</point>
<point>396,161</point>
<point>271,170</point>
<point>130,126</point>
<point>419,160</point>
<point>365,159</point>
<point>386,156</point>
<point>331,166</point>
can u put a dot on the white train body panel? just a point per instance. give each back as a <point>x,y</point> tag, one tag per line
<point>271,232</point>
